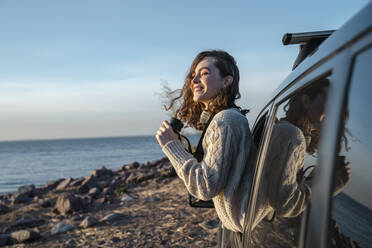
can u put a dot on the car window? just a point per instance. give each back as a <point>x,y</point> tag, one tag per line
<point>258,131</point>
<point>351,223</point>
<point>285,185</point>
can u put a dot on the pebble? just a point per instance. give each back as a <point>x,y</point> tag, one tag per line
<point>61,227</point>
<point>112,217</point>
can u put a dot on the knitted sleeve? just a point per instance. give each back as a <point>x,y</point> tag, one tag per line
<point>285,195</point>
<point>207,178</point>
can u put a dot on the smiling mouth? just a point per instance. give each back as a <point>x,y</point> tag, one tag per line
<point>197,88</point>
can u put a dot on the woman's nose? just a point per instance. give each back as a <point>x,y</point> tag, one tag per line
<point>195,80</point>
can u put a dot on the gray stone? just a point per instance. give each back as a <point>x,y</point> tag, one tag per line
<point>4,239</point>
<point>112,217</point>
<point>3,209</point>
<point>77,182</point>
<point>53,184</point>
<point>125,198</point>
<point>64,184</point>
<point>68,203</point>
<point>94,192</point>
<point>133,165</point>
<point>25,235</point>
<point>28,190</point>
<point>27,222</point>
<point>61,227</point>
<point>20,199</point>
<point>88,183</point>
<point>45,203</point>
<point>88,222</point>
<point>77,218</point>
<point>103,171</point>
<point>115,240</point>
<point>69,244</point>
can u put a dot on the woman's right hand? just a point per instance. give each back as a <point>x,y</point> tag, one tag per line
<point>165,134</point>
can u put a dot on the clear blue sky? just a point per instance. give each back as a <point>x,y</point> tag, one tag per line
<point>91,68</point>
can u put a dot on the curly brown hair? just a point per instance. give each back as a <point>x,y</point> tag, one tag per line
<point>297,113</point>
<point>189,111</point>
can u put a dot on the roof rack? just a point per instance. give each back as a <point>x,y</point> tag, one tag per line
<point>309,42</point>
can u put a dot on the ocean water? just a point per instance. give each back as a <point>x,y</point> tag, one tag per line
<point>35,162</point>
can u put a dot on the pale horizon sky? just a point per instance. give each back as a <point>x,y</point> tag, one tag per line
<point>71,69</point>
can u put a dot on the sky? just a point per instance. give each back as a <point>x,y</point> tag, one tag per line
<point>74,68</point>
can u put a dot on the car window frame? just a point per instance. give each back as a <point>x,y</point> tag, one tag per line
<point>333,69</point>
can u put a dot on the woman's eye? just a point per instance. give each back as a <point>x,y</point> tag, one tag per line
<point>205,73</point>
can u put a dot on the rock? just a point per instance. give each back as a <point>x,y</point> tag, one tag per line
<point>115,181</point>
<point>89,182</point>
<point>115,240</point>
<point>61,227</point>
<point>133,165</point>
<point>77,182</point>
<point>101,200</point>
<point>20,199</point>
<point>68,203</point>
<point>132,177</point>
<point>88,222</point>
<point>94,192</point>
<point>64,184</point>
<point>28,190</point>
<point>25,235</point>
<point>27,222</point>
<point>77,218</point>
<point>101,172</point>
<point>4,229</point>
<point>4,239</point>
<point>52,184</point>
<point>108,190</point>
<point>45,203</point>
<point>70,244</point>
<point>103,184</point>
<point>112,217</point>
<point>146,164</point>
<point>24,194</point>
<point>126,198</point>
<point>3,209</point>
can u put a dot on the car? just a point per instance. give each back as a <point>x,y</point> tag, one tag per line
<point>342,61</point>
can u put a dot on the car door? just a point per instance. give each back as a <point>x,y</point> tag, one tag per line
<point>282,228</point>
<point>346,219</point>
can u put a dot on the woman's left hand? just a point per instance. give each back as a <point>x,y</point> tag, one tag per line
<point>165,134</point>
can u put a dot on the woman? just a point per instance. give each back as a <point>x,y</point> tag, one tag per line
<point>284,188</point>
<point>223,172</point>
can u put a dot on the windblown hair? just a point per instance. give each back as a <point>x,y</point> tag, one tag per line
<point>297,114</point>
<point>189,111</point>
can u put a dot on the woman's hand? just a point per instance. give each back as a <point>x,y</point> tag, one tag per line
<point>165,134</point>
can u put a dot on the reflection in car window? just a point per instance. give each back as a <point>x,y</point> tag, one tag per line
<point>285,187</point>
<point>352,209</point>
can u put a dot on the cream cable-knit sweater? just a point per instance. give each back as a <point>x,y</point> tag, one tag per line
<point>279,189</point>
<point>224,174</point>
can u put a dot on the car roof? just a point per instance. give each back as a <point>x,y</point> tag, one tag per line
<point>341,38</point>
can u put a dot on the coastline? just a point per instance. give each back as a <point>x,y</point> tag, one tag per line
<point>138,205</point>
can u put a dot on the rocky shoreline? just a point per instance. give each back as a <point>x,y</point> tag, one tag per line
<point>138,205</point>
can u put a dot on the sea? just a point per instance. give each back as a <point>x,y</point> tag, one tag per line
<point>37,161</point>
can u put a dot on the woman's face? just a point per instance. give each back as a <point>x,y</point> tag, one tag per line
<point>207,81</point>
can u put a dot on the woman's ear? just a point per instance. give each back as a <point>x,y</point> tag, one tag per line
<point>227,81</point>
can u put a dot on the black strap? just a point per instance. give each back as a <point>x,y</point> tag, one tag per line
<point>199,152</point>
